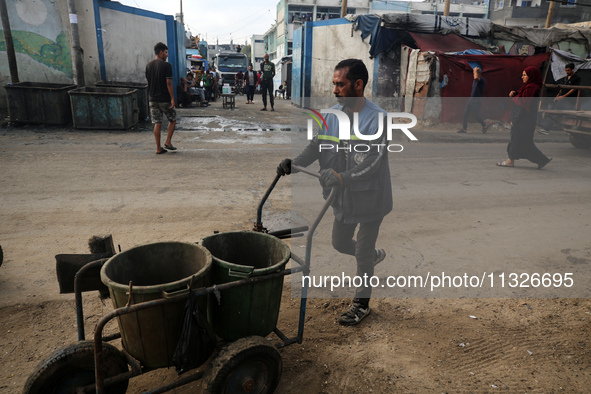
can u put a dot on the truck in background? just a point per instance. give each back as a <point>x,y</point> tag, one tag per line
<point>229,63</point>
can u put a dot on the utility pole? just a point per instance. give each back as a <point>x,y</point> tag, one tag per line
<point>9,43</point>
<point>344,9</point>
<point>77,53</point>
<point>446,8</point>
<point>182,16</point>
<point>550,14</point>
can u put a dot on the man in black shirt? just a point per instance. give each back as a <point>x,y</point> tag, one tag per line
<point>474,102</point>
<point>159,76</point>
<point>571,79</point>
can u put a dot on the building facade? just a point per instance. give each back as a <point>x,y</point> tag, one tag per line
<point>458,8</point>
<point>533,13</point>
<point>292,14</point>
<point>257,48</point>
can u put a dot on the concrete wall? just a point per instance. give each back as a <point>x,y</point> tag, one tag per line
<point>117,42</point>
<point>42,45</point>
<point>331,44</point>
<point>127,58</point>
<point>575,49</point>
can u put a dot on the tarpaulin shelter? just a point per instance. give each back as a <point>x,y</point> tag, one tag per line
<point>388,30</point>
<point>542,37</point>
<point>443,42</point>
<point>501,72</point>
<point>420,80</point>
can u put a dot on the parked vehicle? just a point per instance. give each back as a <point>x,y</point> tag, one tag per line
<point>229,63</point>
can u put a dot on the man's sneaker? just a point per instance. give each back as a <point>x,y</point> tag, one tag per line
<point>354,314</point>
<point>380,256</point>
<point>485,128</point>
<point>461,131</point>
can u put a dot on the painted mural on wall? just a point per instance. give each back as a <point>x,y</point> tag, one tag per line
<point>37,32</point>
<point>522,49</point>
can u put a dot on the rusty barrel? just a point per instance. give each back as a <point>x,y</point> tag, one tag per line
<point>156,270</point>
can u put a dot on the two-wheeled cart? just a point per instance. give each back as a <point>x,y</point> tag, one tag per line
<point>242,307</point>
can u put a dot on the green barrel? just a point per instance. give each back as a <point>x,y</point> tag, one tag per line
<point>251,309</point>
<point>157,270</point>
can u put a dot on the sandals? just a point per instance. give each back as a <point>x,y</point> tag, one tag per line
<point>505,164</point>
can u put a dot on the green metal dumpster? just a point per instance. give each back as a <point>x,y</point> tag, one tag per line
<point>142,94</point>
<point>157,270</point>
<point>251,309</point>
<point>104,108</point>
<point>36,102</point>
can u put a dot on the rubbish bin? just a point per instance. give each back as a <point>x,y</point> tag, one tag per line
<point>157,270</point>
<point>142,94</point>
<point>36,102</point>
<point>251,309</point>
<point>104,108</point>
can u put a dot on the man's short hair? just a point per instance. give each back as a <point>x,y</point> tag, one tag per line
<point>189,74</point>
<point>570,65</point>
<point>356,70</point>
<point>160,47</point>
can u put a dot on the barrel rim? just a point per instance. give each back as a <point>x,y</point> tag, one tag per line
<point>170,286</point>
<point>256,271</point>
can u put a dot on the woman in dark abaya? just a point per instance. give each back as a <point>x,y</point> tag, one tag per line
<point>523,121</point>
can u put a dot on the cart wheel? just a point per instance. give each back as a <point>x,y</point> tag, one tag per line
<point>249,365</point>
<point>580,141</point>
<point>73,366</point>
<point>1,256</point>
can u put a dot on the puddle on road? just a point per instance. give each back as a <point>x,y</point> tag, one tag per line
<point>230,131</point>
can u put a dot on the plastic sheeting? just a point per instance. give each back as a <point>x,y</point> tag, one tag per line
<point>381,39</point>
<point>542,37</point>
<point>442,42</point>
<point>475,27</point>
<point>501,72</point>
<point>473,52</point>
<point>562,58</point>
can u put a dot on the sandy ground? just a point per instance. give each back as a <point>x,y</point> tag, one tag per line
<point>61,186</point>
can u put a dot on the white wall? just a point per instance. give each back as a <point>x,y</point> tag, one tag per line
<point>281,51</point>
<point>331,44</point>
<point>127,54</point>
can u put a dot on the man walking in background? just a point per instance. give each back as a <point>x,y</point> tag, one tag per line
<point>251,81</point>
<point>475,101</point>
<point>268,70</point>
<point>159,76</point>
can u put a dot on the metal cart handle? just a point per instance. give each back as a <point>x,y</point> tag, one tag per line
<point>304,170</point>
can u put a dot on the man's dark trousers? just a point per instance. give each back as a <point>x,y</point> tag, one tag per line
<point>267,86</point>
<point>363,249</point>
<point>249,92</point>
<point>473,107</point>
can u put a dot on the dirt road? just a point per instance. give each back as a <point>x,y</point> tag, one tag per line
<point>60,186</point>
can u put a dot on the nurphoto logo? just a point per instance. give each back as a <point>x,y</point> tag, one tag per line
<point>345,130</point>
